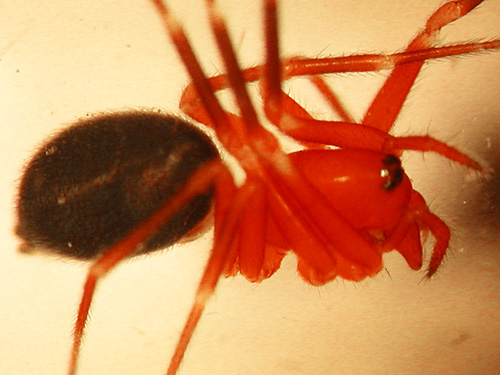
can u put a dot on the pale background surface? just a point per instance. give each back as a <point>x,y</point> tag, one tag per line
<point>61,60</point>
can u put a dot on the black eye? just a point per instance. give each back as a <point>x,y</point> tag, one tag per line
<point>392,173</point>
<point>96,181</point>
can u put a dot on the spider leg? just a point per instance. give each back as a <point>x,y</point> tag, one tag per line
<point>202,179</point>
<point>406,66</point>
<point>259,246</point>
<point>299,125</point>
<point>214,268</point>
<point>331,97</point>
<point>388,102</point>
<point>251,238</point>
<point>191,102</point>
<point>302,127</point>
<point>398,83</point>
<point>296,122</point>
<point>205,91</point>
<point>234,216</point>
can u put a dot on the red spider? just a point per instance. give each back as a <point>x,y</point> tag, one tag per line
<point>337,209</point>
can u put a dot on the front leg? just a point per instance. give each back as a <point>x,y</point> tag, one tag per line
<point>387,104</point>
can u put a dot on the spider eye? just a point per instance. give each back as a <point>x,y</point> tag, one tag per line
<point>392,173</point>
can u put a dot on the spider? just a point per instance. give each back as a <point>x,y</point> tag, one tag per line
<point>265,175</point>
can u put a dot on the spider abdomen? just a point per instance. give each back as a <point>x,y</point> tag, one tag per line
<point>99,179</point>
